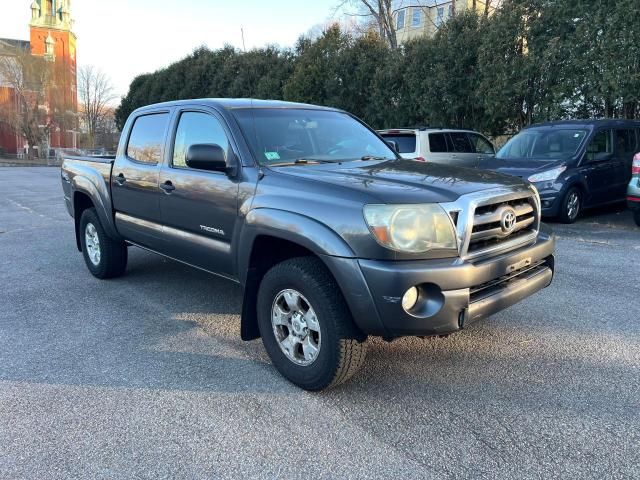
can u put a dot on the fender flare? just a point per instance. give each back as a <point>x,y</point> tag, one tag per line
<point>293,227</point>
<point>83,184</point>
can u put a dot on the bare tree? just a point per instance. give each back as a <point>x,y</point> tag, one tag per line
<point>381,12</point>
<point>32,108</point>
<point>96,95</point>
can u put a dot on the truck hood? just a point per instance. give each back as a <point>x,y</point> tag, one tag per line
<point>519,168</point>
<point>398,181</point>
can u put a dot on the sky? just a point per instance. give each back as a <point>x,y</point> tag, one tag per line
<point>125,38</point>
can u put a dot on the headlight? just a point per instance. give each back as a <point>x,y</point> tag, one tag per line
<point>548,176</point>
<point>411,228</point>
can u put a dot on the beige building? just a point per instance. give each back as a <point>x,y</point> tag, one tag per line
<point>423,18</point>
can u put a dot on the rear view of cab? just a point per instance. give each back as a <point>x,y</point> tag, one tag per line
<point>406,141</point>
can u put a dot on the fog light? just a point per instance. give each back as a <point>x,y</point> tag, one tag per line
<point>410,298</point>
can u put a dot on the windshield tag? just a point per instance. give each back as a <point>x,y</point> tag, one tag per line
<point>272,155</point>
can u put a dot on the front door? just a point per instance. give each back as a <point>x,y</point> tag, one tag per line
<point>134,181</point>
<point>463,153</point>
<point>626,147</point>
<point>598,168</point>
<point>199,208</point>
<point>484,148</point>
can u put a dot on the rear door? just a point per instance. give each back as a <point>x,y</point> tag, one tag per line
<point>438,148</point>
<point>134,180</point>
<point>199,208</point>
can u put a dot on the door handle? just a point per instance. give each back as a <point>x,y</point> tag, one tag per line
<point>120,179</point>
<point>167,186</point>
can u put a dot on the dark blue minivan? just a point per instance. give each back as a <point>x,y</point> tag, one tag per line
<point>574,164</point>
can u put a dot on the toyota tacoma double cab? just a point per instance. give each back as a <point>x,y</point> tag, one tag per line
<point>332,236</point>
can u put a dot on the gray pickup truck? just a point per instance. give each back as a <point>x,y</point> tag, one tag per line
<point>332,236</point>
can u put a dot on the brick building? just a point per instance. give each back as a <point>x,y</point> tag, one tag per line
<point>51,37</point>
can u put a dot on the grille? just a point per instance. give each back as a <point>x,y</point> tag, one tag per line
<point>488,231</point>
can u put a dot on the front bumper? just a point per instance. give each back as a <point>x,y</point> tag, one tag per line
<point>453,292</point>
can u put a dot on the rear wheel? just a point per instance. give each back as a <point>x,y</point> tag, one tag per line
<point>636,217</point>
<point>571,206</point>
<point>104,257</point>
<point>306,326</point>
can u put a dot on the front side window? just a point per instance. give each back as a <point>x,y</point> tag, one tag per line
<point>460,142</point>
<point>416,18</point>
<point>626,141</point>
<point>543,144</point>
<point>196,128</point>
<point>400,20</point>
<point>601,146</point>
<point>286,135</point>
<point>147,138</point>
<point>437,143</point>
<point>481,144</point>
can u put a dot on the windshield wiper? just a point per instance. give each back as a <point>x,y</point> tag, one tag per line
<point>373,157</point>
<point>301,161</point>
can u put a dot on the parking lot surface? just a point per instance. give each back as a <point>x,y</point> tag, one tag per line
<point>145,376</point>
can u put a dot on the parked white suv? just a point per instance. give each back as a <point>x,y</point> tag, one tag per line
<point>463,148</point>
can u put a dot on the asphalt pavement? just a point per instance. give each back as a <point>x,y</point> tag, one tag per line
<point>145,376</point>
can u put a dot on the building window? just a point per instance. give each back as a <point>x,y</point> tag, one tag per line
<point>440,16</point>
<point>400,20</point>
<point>450,10</point>
<point>416,17</point>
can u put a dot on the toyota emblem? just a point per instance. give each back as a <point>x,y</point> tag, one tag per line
<point>508,220</point>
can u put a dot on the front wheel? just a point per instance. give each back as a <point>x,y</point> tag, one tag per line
<point>571,206</point>
<point>636,217</point>
<point>306,326</point>
<point>104,257</point>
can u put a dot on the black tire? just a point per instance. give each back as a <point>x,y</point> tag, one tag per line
<point>636,217</point>
<point>112,260</point>
<point>340,353</point>
<point>569,209</point>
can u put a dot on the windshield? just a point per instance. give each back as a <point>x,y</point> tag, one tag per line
<point>543,144</point>
<point>282,136</point>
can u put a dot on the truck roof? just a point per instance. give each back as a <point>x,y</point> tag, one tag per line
<point>236,103</point>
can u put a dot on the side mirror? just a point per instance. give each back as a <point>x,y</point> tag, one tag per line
<point>393,144</point>
<point>207,156</point>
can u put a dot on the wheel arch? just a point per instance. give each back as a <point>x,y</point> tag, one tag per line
<point>87,195</point>
<point>270,237</point>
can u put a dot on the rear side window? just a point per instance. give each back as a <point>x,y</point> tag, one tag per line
<point>406,141</point>
<point>626,141</point>
<point>460,142</point>
<point>437,143</point>
<point>147,138</point>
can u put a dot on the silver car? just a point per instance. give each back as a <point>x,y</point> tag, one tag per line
<point>464,148</point>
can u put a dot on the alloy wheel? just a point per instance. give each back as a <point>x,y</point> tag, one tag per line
<point>296,327</point>
<point>92,242</point>
<point>573,205</point>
